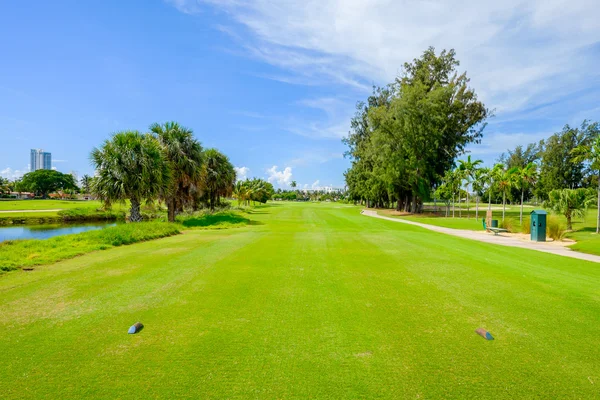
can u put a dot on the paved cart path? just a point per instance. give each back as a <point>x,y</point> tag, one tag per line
<point>494,239</point>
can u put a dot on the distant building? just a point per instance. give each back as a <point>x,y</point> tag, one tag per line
<point>40,159</point>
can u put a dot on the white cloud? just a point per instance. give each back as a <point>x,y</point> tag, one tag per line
<point>242,173</point>
<point>315,185</point>
<point>281,177</point>
<point>518,53</point>
<point>11,174</point>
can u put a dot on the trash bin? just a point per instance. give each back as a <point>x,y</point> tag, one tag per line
<point>538,225</point>
<point>494,223</point>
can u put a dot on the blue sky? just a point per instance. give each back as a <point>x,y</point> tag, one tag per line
<point>273,84</point>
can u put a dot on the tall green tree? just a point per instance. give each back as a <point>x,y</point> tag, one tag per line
<point>86,182</point>
<point>525,177</point>
<point>469,168</point>
<point>570,203</point>
<point>519,157</point>
<point>130,166</point>
<point>218,176</point>
<point>482,182</point>
<point>590,152</point>
<point>45,181</point>
<point>4,185</point>
<point>560,166</point>
<point>504,180</point>
<point>184,156</point>
<point>408,134</point>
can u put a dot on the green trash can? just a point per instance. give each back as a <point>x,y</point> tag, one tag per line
<point>494,223</point>
<point>538,225</point>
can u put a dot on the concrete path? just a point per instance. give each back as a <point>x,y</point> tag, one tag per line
<point>29,211</point>
<point>490,238</point>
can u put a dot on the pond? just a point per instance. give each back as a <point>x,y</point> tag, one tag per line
<point>47,231</point>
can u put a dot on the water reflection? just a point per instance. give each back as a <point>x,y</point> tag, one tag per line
<point>46,231</point>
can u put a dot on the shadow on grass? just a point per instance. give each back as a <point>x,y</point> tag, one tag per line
<point>587,229</point>
<point>216,219</point>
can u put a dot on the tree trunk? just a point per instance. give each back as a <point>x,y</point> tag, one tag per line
<point>467,201</point>
<point>414,207</point>
<point>598,221</point>
<point>490,200</point>
<point>453,205</point>
<point>522,196</point>
<point>171,210</point>
<point>477,207</point>
<point>134,214</point>
<point>569,223</point>
<point>503,204</point>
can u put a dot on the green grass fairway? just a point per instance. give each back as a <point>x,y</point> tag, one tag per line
<point>308,301</point>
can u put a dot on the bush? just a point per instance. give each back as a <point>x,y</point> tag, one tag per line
<point>87,214</point>
<point>555,228</point>
<point>16,254</point>
<point>216,220</point>
<point>526,227</point>
<point>508,223</point>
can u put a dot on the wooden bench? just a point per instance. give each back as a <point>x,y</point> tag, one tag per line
<point>495,230</point>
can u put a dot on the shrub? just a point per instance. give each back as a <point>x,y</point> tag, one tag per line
<point>555,229</point>
<point>216,220</point>
<point>526,227</point>
<point>508,224</point>
<point>87,214</point>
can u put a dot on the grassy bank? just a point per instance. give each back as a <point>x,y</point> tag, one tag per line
<point>62,216</point>
<point>37,212</point>
<point>27,253</point>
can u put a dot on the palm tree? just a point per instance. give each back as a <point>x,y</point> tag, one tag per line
<point>130,166</point>
<point>451,180</point>
<point>184,155</point>
<point>504,180</point>
<point>525,178</point>
<point>86,182</point>
<point>481,182</point>
<point>468,168</point>
<point>293,184</point>
<point>218,176</point>
<point>569,202</point>
<point>243,191</point>
<point>591,153</point>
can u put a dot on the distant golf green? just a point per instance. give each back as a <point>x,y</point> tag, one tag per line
<point>308,301</point>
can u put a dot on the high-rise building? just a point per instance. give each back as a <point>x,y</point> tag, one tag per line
<point>40,159</point>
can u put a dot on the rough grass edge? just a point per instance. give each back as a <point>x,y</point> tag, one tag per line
<point>17,254</point>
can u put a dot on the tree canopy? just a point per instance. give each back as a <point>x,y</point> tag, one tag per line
<point>45,181</point>
<point>130,166</point>
<point>408,134</point>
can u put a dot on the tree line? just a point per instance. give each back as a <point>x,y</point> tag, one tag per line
<point>406,139</point>
<point>167,164</point>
